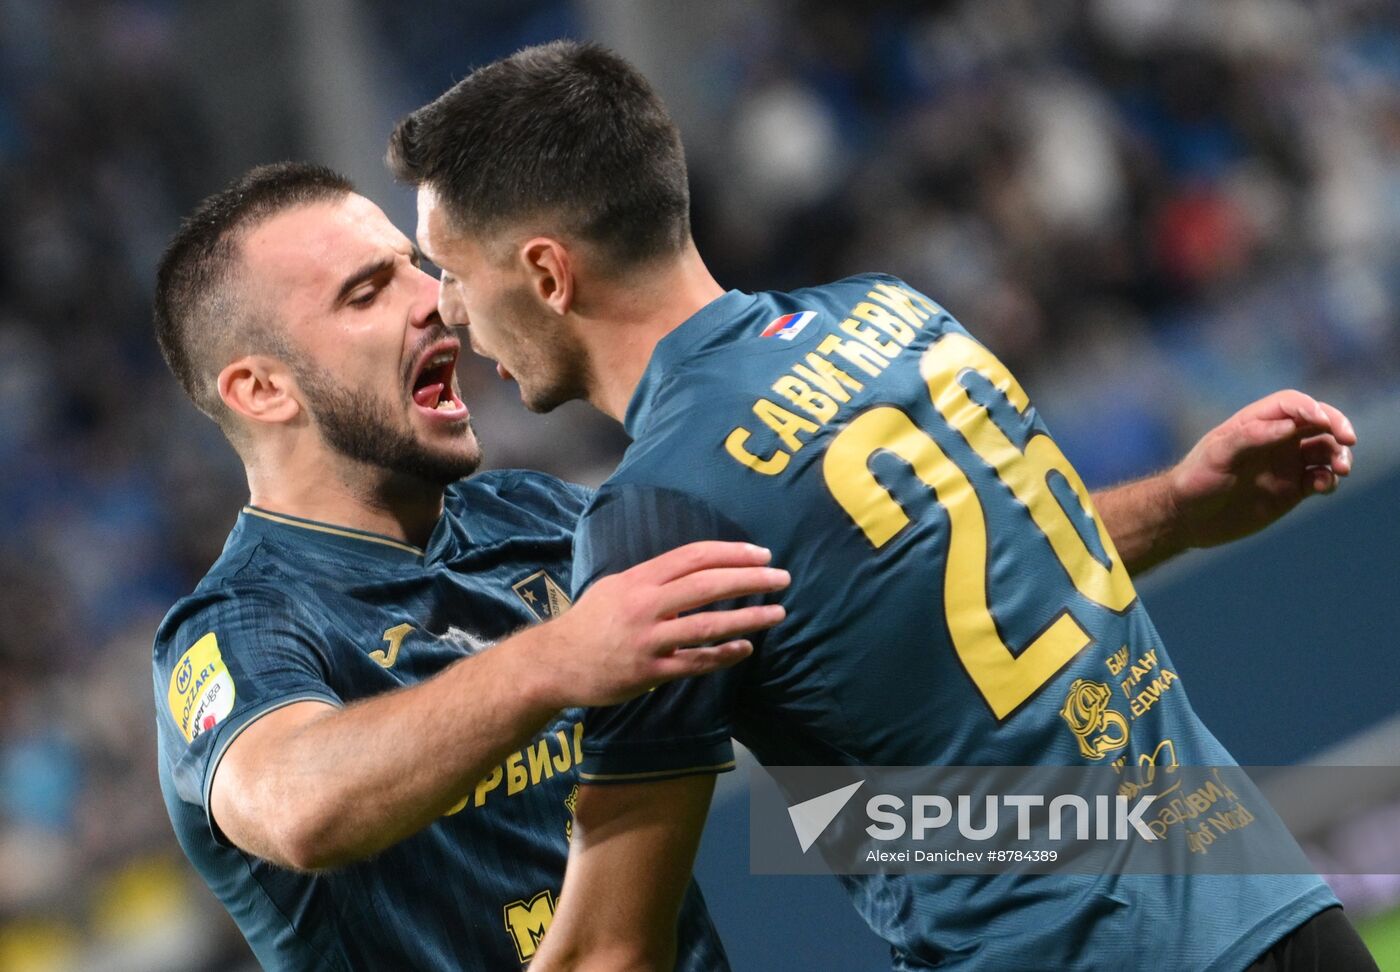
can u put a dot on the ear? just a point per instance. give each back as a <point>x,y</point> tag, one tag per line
<point>261,389</point>
<point>550,268</point>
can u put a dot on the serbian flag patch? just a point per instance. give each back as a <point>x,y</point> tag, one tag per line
<point>789,326</point>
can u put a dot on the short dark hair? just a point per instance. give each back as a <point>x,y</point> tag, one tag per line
<point>565,128</point>
<point>201,320</point>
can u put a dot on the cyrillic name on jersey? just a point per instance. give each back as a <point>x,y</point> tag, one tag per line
<point>861,347</point>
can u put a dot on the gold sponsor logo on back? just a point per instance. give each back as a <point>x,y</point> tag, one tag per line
<point>1098,729</point>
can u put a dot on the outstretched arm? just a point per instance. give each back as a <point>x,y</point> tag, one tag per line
<point>629,864</point>
<point>311,786</point>
<point>1240,477</point>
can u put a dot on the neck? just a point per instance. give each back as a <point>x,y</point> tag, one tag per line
<point>346,493</point>
<point>640,311</point>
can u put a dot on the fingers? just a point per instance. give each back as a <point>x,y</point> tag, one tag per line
<point>1303,409</point>
<point>700,661</point>
<point>703,587</point>
<point>703,555</point>
<point>712,626</point>
<point>1271,431</point>
<point>1319,480</point>
<point>1286,413</point>
<point>1340,424</point>
<point>1325,450</point>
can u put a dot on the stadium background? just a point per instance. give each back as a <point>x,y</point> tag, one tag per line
<point>1154,210</point>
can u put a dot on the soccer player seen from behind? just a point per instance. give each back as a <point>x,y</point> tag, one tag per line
<point>954,584</point>
<point>363,754</point>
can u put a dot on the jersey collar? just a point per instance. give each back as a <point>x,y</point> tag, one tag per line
<point>695,331</point>
<point>347,538</point>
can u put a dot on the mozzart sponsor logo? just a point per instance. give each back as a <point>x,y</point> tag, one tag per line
<point>201,689</point>
<point>892,817</point>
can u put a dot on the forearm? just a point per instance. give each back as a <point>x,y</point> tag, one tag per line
<point>629,867</point>
<point>1143,521</point>
<point>358,780</point>
<point>604,956</point>
<point>310,786</point>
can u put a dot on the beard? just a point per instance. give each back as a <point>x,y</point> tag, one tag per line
<point>362,429</point>
<point>551,369</point>
<point>550,393</point>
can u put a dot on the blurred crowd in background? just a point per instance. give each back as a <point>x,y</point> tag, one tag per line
<point>1153,210</point>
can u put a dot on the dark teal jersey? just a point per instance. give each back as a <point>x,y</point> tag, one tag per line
<point>954,602</point>
<point>297,610</point>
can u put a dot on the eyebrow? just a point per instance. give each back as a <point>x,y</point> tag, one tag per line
<point>367,272</point>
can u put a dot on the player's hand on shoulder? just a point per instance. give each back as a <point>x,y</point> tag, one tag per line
<point>1258,464</point>
<point>629,632</point>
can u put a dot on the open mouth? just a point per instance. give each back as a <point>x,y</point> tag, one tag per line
<point>432,388</point>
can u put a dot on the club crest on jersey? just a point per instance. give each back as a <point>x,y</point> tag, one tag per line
<point>542,595</point>
<point>201,689</point>
<point>788,326</point>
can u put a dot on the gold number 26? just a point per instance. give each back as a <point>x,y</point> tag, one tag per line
<point>1006,680</point>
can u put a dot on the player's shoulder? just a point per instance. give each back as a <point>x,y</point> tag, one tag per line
<point>254,576</point>
<point>733,349</point>
<point>525,489</point>
<point>502,500</point>
<point>853,286</point>
<point>706,384</point>
<point>774,324</point>
<point>635,493</point>
<point>228,601</point>
<point>634,517</point>
<point>778,319</point>
<point>884,291</point>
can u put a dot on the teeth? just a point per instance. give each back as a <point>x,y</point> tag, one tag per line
<point>446,403</point>
<point>438,360</point>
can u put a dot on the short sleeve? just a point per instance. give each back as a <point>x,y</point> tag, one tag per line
<point>222,660</point>
<point>682,728</point>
